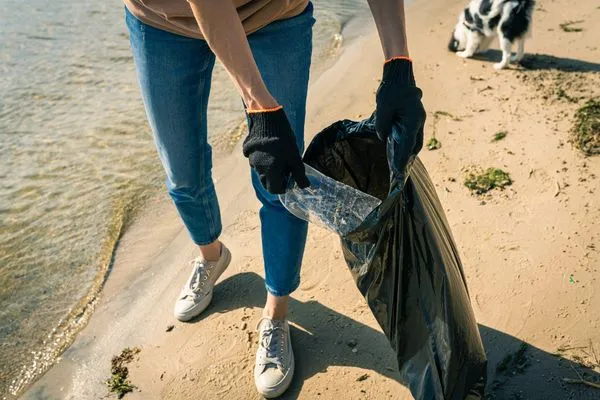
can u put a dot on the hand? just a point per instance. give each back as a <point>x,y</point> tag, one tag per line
<point>399,101</point>
<point>271,149</point>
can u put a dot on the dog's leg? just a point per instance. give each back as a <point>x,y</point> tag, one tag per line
<point>506,47</point>
<point>520,51</point>
<point>473,39</point>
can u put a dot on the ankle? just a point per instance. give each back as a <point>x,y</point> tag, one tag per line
<point>276,307</point>
<point>211,252</point>
<point>274,314</point>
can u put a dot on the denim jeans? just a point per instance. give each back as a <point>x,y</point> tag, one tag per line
<point>174,74</point>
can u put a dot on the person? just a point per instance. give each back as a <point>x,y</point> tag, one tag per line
<point>265,46</point>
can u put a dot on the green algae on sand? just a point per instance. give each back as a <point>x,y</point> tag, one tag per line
<point>586,128</point>
<point>487,180</point>
<point>118,382</point>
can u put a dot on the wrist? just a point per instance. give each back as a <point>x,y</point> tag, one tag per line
<point>399,51</point>
<point>399,70</point>
<point>264,110</point>
<point>261,102</point>
<point>395,46</point>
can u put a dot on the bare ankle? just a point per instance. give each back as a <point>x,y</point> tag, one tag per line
<point>212,251</point>
<point>274,314</point>
<point>276,307</point>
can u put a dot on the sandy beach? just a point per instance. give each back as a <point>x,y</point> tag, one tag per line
<point>530,251</point>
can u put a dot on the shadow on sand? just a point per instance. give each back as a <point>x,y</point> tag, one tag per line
<point>544,62</point>
<point>327,337</point>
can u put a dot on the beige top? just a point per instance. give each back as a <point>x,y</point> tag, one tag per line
<point>176,16</point>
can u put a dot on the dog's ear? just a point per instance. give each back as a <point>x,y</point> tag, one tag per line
<point>453,43</point>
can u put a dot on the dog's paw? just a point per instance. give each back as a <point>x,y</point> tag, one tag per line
<point>463,54</point>
<point>499,66</point>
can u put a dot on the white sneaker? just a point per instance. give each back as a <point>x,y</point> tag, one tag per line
<point>198,290</point>
<point>274,367</point>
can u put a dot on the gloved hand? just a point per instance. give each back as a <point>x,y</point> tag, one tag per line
<point>271,149</point>
<point>399,100</point>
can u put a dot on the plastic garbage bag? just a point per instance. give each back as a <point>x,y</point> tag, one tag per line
<point>402,257</point>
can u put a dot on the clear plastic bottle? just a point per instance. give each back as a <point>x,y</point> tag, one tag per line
<point>329,203</point>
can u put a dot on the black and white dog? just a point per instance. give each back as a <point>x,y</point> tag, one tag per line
<point>484,19</point>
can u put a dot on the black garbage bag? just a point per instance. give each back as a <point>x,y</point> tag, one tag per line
<point>405,263</point>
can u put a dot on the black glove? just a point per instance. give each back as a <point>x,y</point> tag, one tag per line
<point>271,149</point>
<point>399,101</point>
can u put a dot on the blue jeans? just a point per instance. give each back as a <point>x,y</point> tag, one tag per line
<point>174,74</point>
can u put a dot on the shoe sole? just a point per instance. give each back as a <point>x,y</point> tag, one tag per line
<point>196,310</point>
<point>283,386</point>
<point>202,305</point>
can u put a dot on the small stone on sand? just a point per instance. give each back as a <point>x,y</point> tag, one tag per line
<point>361,378</point>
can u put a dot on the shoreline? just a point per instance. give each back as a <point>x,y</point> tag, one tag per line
<point>66,330</point>
<point>498,237</point>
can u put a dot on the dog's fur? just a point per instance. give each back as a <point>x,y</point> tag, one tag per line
<point>482,20</point>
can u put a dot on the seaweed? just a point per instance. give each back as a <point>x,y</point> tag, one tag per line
<point>586,128</point>
<point>516,362</point>
<point>489,179</point>
<point>499,136</point>
<point>433,144</point>
<point>503,365</point>
<point>118,382</point>
<point>438,114</point>
<point>568,26</point>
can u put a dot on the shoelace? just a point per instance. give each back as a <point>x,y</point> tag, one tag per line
<point>271,344</point>
<point>202,271</point>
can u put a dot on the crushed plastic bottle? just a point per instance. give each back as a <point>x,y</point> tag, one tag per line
<point>329,203</point>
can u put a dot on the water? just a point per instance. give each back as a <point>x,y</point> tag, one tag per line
<point>76,159</point>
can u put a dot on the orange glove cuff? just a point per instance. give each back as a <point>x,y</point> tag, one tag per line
<point>265,110</point>
<point>398,58</point>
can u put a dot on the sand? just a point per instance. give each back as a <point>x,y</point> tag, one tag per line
<point>530,252</point>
